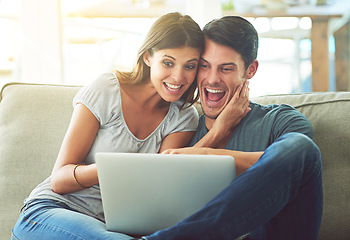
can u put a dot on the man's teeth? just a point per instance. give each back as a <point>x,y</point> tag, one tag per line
<point>173,87</point>
<point>214,90</point>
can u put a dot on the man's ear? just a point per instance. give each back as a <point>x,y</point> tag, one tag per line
<point>251,70</point>
<point>147,58</point>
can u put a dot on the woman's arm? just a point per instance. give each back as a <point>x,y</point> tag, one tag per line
<point>222,129</point>
<point>77,142</point>
<point>176,140</point>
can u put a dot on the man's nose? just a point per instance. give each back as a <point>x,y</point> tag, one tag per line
<point>212,77</point>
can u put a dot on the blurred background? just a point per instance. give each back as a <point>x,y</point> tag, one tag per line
<point>74,41</point>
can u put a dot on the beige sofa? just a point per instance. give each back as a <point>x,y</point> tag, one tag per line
<point>34,118</point>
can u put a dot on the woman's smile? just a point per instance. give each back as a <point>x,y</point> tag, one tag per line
<point>172,87</point>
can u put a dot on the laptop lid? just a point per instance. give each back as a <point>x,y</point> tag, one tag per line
<point>143,193</point>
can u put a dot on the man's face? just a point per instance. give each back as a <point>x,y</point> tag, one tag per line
<point>221,70</point>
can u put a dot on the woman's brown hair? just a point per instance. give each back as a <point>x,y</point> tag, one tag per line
<point>172,30</point>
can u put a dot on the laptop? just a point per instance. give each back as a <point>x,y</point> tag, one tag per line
<point>143,192</point>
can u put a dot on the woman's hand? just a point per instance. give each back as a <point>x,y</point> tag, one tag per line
<point>228,120</point>
<point>235,110</point>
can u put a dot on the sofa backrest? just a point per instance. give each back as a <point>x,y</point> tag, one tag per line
<point>329,114</point>
<point>35,117</point>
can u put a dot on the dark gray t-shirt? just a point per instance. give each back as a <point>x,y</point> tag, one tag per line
<point>261,127</point>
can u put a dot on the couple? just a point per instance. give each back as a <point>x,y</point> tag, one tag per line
<point>277,193</point>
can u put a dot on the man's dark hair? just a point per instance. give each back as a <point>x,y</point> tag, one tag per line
<point>237,33</point>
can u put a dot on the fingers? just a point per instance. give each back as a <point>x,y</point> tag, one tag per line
<point>171,151</point>
<point>245,89</point>
<point>246,111</point>
<point>237,93</point>
<point>242,90</point>
<point>166,151</point>
<point>243,98</point>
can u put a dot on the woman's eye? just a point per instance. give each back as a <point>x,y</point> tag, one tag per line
<point>191,66</point>
<point>168,63</point>
<point>203,65</point>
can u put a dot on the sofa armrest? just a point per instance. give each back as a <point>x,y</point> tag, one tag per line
<point>33,121</point>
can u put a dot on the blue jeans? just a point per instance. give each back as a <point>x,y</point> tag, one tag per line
<point>279,197</point>
<point>47,219</point>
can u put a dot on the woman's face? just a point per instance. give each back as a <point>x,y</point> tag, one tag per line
<point>172,71</point>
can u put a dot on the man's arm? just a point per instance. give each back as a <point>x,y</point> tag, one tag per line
<point>243,160</point>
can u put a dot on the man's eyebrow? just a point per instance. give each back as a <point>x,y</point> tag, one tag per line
<point>223,64</point>
<point>230,63</point>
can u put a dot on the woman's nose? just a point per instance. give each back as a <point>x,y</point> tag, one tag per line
<point>178,75</point>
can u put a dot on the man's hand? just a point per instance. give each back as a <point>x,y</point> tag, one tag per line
<point>189,150</point>
<point>243,160</point>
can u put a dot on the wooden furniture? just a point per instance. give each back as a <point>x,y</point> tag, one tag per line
<point>327,20</point>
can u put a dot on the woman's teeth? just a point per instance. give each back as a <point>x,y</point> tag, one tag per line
<point>172,87</point>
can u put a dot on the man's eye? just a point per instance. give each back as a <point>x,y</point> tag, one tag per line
<point>226,69</point>
<point>203,65</point>
<point>168,63</point>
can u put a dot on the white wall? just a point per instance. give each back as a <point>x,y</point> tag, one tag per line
<point>41,45</point>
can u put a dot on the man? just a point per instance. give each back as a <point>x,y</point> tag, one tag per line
<point>277,193</point>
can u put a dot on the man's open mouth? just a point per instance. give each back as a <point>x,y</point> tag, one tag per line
<point>173,87</point>
<point>214,95</point>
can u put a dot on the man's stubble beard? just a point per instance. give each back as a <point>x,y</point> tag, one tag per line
<point>210,116</point>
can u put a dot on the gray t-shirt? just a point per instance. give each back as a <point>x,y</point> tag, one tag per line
<point>261,127</point>
<point>102,97</point>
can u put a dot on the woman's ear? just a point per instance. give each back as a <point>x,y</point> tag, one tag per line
<point>147,58</point>
<point>251,70</point>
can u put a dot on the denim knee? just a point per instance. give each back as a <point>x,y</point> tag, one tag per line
<point>301,147</point>
<point>300,142</point>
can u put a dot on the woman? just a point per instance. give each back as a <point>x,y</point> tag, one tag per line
<point>146,110</point>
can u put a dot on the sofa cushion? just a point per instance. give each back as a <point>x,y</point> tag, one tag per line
<point>329,114</point>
